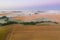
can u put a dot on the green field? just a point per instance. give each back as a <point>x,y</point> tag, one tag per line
<point>3,32</point>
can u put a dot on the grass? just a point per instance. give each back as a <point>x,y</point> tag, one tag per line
<point>35,32</point>
<point>3,32</point>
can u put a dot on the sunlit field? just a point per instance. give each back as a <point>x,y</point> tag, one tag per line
<point>4,30</point>
<point>35,32</point>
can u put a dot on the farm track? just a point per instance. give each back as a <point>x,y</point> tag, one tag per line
<point>21,32</point>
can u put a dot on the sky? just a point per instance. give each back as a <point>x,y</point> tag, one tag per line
<point>29,4</point>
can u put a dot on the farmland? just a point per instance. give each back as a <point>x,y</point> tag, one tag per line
<point>4,30</point>
<point>35,32</point>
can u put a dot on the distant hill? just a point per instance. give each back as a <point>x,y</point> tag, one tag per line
<point>29,15</point>
<point>55,17</point>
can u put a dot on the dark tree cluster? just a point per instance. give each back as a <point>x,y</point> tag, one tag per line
<point>28,23</point>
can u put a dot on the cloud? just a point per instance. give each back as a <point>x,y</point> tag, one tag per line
<point>11,4</point>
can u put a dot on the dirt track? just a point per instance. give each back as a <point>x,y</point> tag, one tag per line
<point>20,32</point>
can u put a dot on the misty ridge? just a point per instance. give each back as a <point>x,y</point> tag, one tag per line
<point>27,13</point>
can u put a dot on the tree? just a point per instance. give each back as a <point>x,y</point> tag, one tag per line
<point>4,17</point>
<point>36,13</point>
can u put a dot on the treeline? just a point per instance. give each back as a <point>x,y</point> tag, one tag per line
<point>24,23</point>
<point>34,23</point>
<point>6,19</point>
<point>8,23</point>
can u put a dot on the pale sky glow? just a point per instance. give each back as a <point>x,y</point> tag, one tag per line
<point>12,4</point>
